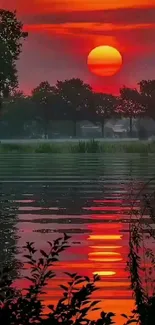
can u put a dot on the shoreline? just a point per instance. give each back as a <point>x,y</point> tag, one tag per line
<point>76,146</point>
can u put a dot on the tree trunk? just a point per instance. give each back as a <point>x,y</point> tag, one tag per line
<point>131,129</point>
<point>74,128</point>
<point>0,106</point>
<point>46,121</point>
<point>46,129</point>
<point>102,128</point>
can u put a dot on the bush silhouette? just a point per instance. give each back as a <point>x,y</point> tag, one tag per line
<point>17,308</point>
<point>24,307</point>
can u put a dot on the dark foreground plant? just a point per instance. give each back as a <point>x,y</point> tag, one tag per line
<point>24,307</point>
<point>141,262</point>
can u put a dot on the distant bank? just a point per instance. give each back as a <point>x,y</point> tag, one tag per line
<point>62,140</point>
<point>72,146</point>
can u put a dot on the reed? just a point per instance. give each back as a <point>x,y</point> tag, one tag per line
<point>141,258</point>
<point>92,146</point>
<point>47,148</point>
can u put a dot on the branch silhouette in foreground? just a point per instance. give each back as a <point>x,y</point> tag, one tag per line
<point>24,307</point>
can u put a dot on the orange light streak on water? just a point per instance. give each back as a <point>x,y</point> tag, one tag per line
<point>105,237</point>
<point>105,273</point>
<point>105,259</point>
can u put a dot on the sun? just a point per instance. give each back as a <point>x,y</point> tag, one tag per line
<point>104,61</point>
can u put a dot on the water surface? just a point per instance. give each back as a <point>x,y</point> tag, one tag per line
<point>87,196</point>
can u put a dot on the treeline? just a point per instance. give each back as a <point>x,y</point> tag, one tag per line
<point>73,100</point>
<point>70,100</point>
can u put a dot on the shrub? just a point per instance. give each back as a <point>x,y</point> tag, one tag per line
<point>141,259</point>
<point>47,148</point>
<point>19,308</point>
<point>93,146</point>
<point>12,148</point>
<point>79,148</point>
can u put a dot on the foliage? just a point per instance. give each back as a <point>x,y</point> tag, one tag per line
<point>12,148</point>
<point>140,102</point>
<point>147,91</point>
<point>18,114</point>
<point>129,105</point>
<point>11,35</point>
<point>75,100</point>
<point>76,96</point>
<point>104,107</point>
<point>141,262</point>
<point>47,148</point>
<point>70,99</point>
<point>18,105</point>
<point>25,307</point>
<point>91,146</point>
<point>44,97</point>
<point>79,148</point>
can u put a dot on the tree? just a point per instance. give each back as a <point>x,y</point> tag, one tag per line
<point>130,105</point>
<point>44,97</point>
<point>18,114</point>
<point>76,97</point>
<point>11,36</point>
<point>104,106</point>
<point>147,92</point>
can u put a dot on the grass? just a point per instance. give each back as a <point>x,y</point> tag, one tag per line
<point>91,146</point>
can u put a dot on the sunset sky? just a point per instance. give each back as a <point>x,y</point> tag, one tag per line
<point>63,32</point>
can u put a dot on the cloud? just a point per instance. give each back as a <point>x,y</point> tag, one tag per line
<point>76,5</point>
<point>62,32</point>
<point>86,28</point>
<point>117,16</point>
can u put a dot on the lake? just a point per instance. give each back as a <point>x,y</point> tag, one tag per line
<point>87,196</point>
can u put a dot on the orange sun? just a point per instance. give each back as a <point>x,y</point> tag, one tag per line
<point>104,61</point>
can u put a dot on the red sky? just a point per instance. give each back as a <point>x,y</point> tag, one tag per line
<point>63,32</point>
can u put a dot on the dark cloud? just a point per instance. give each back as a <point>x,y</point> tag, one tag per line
<point>119,16</point>
<point>60,51</point>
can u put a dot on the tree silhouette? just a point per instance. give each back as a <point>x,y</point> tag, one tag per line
<point>147,92</point>
<point>18,114</point>
<point>44,97</point>
<point>104,106</point>
<point>76,99</point>
<point>130,105</point>
<point>11,35</point>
